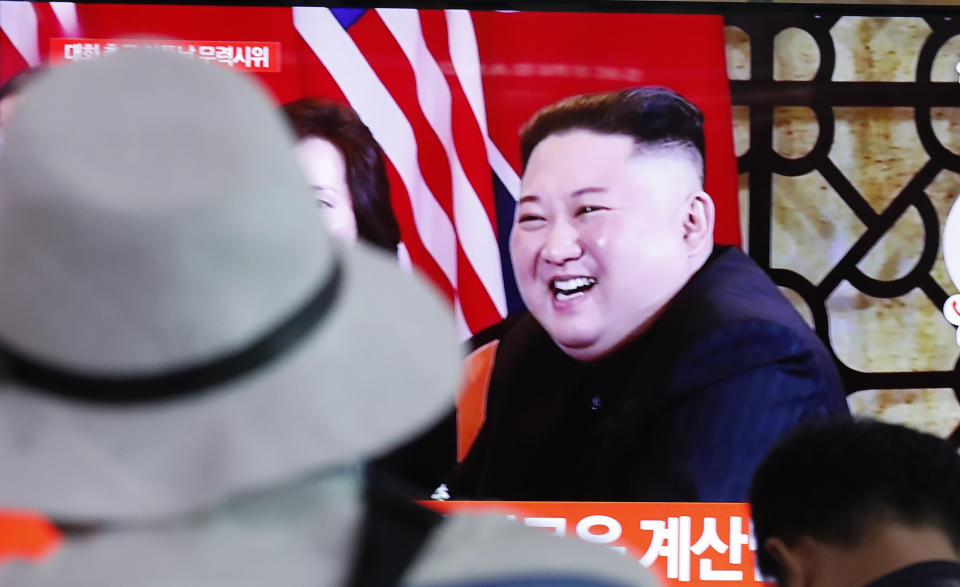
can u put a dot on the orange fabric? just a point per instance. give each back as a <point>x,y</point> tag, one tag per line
<point>472,399</point>
<point>26,535</point>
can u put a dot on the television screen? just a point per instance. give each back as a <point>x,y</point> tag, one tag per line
<point>832,156</point>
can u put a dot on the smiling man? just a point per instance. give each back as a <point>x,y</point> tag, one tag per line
<point>596,264</point>
<point>653,365</point>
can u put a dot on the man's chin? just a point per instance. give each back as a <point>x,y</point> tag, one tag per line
<point>588,346</point>
<point>581,348</point>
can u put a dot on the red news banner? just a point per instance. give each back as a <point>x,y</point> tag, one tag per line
<point>240,55</point>
<point>680,543</point>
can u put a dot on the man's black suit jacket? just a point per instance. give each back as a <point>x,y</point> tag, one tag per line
<point>684,413</point>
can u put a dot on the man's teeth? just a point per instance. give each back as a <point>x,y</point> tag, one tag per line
<point>572,283</point>
<point>565,289</point>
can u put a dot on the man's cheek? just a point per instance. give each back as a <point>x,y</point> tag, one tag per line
<point>512,245</point>
<point>521,253</point>
<point>599,236</point>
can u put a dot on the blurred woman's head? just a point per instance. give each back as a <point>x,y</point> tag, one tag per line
<point>345,167</point>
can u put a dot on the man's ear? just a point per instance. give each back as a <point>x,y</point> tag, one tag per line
<point>698,220</point>
<point>790,562</point>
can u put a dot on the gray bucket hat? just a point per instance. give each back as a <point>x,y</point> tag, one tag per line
<point>175,325</point>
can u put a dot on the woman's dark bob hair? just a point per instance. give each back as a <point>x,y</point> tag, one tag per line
<point>366,170</point>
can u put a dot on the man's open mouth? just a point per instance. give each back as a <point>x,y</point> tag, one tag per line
<point>565,289</point>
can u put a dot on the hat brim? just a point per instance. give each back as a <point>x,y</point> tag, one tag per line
<point>382,365</point>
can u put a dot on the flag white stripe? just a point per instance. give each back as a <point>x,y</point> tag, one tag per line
<point>466,61</point>
<point>477,238</point>
<point>66,13</point>
<point>18,21</point>
<point>332,45</point>
<point>503,169</point>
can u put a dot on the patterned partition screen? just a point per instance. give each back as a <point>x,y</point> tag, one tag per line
<point>846,131</point>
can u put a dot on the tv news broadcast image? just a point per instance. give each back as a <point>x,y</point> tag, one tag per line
<point>629,359</point>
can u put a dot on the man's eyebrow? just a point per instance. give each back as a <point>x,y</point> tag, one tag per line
<point>582,191</point>
<point>589,190</point>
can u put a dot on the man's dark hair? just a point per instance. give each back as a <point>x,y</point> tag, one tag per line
<point>653,116</point>
<point>366,170</point>
<point>837,481</point>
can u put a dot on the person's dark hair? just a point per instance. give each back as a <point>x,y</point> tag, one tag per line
<point>834,482</point>
<point>366,170</point>
<point>654,117</point>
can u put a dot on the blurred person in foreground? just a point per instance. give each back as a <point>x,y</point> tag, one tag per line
<point>193,373</point>
<point>857,504</point>
<point>653,365</point>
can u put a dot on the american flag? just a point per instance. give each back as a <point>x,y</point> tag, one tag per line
<point>444,92</point>
<point>428,108</point>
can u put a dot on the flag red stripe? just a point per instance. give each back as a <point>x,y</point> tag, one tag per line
<point>478,309</point>
<point>419,255</point>
<point>11,62</point>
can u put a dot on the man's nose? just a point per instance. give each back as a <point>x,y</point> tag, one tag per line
<point>563,243</point>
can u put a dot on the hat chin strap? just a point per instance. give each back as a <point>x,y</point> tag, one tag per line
<point>173,384</point>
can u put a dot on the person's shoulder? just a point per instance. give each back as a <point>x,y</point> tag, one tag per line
<point>522,327</point>
<point>490,334</point>
<point>935,573</point>
<point>516,339</point>
<point>732,288</point>
<point>732,300</point>
<point>492,551</point>
<point>734,320</point>
<point>746,345</point>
